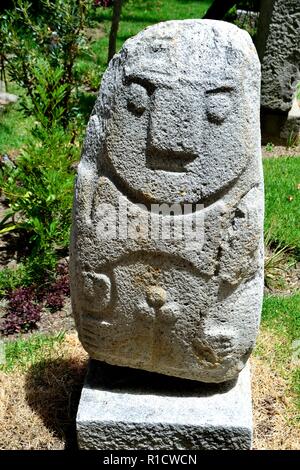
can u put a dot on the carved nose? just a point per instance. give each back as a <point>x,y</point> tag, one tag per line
<point>172,132</point>
<point>171,125</point>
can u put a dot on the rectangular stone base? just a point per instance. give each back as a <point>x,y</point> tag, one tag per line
<point>123,409</point>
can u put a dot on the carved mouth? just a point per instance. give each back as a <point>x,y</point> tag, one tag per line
<point>167,160</point>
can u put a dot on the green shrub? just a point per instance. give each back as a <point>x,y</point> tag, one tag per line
<point>11,278</point>
<point>39,193</point>
<point>41,52</point>
<point>48,95</point>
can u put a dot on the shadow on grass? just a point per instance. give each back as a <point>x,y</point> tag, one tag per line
<point>53,391</point>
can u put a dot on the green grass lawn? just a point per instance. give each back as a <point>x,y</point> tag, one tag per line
<point>25,352</point>
<point>282,200</point>
<point>281,315</point>
<point>14,127</point>
<point>136,15</point>
<point>282,223</point>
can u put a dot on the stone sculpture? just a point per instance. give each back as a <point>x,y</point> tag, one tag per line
<point>278,47</point>
<point>176,124</point>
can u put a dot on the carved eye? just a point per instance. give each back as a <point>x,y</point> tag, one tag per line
<point>218,106</point>
<point>138,98</point>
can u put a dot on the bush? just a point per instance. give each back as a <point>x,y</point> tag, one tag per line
<point>41,52</point>
<point>38,190</point>
<point>12,278</point>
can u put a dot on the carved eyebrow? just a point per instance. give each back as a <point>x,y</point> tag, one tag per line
<point>144,82</point>
<point>220,89</point>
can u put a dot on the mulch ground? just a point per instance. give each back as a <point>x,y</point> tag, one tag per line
<point>38,405</point>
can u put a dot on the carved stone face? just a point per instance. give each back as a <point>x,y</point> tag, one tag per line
<point>179,133</point>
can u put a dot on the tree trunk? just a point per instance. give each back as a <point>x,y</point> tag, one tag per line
<point>117,7</point>
<point>218,9</point>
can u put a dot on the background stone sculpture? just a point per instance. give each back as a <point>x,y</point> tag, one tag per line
<point>278,46</point>
<point>176,122</point>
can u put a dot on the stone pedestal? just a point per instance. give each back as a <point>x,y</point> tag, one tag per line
<point>123,409</point>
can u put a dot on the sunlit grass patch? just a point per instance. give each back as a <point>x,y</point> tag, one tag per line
<point>282,200</point>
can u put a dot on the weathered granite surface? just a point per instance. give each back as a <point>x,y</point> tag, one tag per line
<point>176,122</point>
<point>278,45</point>
<point>123,409</point>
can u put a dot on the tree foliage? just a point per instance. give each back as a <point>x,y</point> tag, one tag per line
<point>41,50</point>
